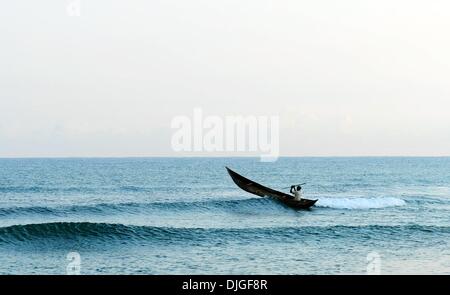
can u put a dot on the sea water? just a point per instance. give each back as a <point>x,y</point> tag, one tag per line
<point>186,216</point>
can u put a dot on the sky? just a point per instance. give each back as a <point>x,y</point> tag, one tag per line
<point>346,78</point>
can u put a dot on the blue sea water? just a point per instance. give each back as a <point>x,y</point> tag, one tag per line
<point>186,216</point>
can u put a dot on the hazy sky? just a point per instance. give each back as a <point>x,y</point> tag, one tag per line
<point>350,77</point>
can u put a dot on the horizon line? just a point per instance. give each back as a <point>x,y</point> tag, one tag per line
<point>223,157</point>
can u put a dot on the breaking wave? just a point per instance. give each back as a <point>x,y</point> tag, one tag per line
<point>360,203</point>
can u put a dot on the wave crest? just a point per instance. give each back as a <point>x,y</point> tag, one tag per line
<point>136,208</point>
<point>48,233</point>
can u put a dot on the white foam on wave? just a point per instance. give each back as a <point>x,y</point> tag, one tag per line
<point>360,203</point>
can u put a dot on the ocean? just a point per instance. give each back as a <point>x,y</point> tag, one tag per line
<point>186,216</point>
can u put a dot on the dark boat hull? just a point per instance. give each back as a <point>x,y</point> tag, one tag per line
<point>262,191</point>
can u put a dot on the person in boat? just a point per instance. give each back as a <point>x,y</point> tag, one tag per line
<point>296,190</point>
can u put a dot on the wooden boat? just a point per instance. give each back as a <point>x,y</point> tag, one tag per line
<point>262,191</point>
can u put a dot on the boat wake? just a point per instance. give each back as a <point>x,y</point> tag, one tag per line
<point>360,203</point>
